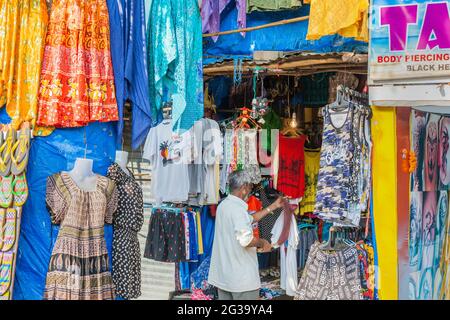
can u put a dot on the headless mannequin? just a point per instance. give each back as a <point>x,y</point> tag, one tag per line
<point>122,160</point>
<point>83,175</point>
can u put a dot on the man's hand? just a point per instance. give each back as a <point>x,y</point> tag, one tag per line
<point>266,246</point>
<point>278,203</point>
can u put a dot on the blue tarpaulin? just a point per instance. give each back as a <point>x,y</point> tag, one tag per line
<point>289,37</point>
<point>50,155</point>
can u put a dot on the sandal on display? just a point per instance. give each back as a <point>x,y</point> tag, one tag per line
<point>2,223</point>
<point>5,150</point>
<point>6,262</point>
<point>20,150</point>
<point>9,229</point>
<point>6,189</point>
<point>20,189</point>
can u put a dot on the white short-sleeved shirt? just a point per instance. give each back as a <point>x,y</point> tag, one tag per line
<point>234,267</point>
<point>169,154</point>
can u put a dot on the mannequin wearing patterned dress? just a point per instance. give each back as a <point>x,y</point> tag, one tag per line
<point>128,221</point>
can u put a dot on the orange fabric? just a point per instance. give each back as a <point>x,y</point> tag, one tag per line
<point>254,204</point>
<point>77,81</point>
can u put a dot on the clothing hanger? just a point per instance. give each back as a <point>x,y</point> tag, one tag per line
<point>307,225</point>
<point>340,105</point>
<point>335,240</point>
<point>167,110</point>
<point>244,120</point>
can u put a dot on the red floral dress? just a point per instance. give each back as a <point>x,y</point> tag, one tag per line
<point>77,81</point>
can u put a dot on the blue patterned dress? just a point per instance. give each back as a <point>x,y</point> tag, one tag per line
<point>335,173</point>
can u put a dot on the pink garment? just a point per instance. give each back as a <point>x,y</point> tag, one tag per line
<point>288,212</point>
<point>197,294</point>
<point>211,10</point>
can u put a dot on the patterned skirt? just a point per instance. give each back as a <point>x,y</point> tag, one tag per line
<point>77,81</point>
<point>79,269</point>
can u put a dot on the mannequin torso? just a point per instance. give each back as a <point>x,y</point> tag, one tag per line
<point>122,160</point>
<point>83,175</point>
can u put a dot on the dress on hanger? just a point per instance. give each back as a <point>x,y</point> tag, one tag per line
<point>77,81</point>
<point>79,266</point>
<point>128,221</point>
<point>335,173</point>
<point>291,171</point>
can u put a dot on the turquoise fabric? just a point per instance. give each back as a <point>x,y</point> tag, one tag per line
<point>175,60</point>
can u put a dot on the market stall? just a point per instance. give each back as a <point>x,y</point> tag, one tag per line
<point>228,85</point>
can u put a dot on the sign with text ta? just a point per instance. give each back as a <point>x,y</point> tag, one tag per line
<point>410,40</point>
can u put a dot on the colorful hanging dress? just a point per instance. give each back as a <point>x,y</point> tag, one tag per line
<point>79,266</point>
<point>77,81</point>
<point>22,36</point>
<point>175,60</point>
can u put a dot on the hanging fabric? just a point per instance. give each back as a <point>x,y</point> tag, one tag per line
<point>129,58</point>
<point>288,252</point>
<point>312,165</point>
<point>272,5</point>
<point>211,10</point>
<point>174,47</point>
<point>77,80</point>
<point>349,18</point>
<point>23,26</point>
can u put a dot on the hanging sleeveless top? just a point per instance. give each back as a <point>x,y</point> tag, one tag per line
<point>366,163</point>
<point>354,212</point>
<point>335,175</point>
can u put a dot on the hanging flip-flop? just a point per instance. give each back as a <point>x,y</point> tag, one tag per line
<point>20,189</point>
<point>6,263</point>
<point>20,150</point>
<point>6,189</point>
<point>2,223</point>
<point>5,151</point>
<point>9,230</point>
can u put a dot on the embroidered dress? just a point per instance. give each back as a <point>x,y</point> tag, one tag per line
<point>22,37</point>
<point>79,265</point>
<point>128,221</point>
<point>335,175</point>
<point>77,82</point>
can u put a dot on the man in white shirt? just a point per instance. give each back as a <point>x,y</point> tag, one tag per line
<point>234,262</point>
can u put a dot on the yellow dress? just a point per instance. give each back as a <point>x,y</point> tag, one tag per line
<point>312,165</point>
<point>23,25</point>
<point>349,18</point>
